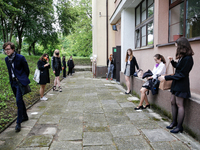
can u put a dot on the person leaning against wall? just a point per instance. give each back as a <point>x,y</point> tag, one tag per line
<point>57,68</point>
<point>110,65</point>
<point>180,87</point>
<point>131,63</point>
<point>18,72</point>
<point>43,66</point>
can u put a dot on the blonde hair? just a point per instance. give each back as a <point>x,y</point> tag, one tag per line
<point>54,54</point>
<point>131,55</point>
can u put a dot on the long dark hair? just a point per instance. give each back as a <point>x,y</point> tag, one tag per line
<point>131,56</point>
<point>44,55</point>
<point>183,48</point>
<point>158,56</point>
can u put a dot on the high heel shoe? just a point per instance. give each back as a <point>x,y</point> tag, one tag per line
<point>147,106</point>
<point>54,88</point>
<point>139,107</point>
<point>171,126</point>
<point>177,130</point>
<point>60,89</point>
<point>128,92</point>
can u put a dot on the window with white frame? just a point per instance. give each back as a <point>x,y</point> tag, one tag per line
<point>184,19</point>
<point>144,23</point>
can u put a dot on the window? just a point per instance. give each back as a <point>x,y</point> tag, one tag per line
<point>144,23</point>
<point>184,19</point>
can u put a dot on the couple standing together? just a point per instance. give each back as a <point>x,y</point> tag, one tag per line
<point>180,88</point>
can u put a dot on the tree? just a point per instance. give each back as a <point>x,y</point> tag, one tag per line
<point>80,40</point>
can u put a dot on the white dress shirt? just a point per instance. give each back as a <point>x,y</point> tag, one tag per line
<point>160,70</point>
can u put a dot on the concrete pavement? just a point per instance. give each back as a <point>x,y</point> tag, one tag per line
<point>92,114</point>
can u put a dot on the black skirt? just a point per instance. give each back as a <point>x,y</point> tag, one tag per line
<point>57,72</point>
<point>185,95</point>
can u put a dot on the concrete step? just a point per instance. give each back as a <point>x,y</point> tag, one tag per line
<point>83,68</point>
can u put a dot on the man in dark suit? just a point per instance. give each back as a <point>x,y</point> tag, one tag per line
<point>18,72</point>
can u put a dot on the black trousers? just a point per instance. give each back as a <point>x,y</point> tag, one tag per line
<point>70,71</point>
<point>21,112</point>
<point>64,72</point>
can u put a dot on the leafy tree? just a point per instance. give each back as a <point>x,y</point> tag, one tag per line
<point>79,42</point>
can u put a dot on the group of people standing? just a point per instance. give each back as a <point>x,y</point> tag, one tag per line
<point>18,70</point>
<point>57,67</point>
<point>180,88</point>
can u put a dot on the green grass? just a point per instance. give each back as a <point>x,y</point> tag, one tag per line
<point>8,108</point>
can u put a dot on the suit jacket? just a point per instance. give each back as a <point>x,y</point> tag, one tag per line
<point>21,69</point>
<point>133,64</point>
<point>180,79</point>
<point>112,61</point>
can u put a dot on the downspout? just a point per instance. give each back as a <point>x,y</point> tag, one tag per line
<point>106,30</point>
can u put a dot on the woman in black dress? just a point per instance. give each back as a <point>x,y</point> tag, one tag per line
<point>64,67</point>
<point>180,88</point>
<point>57,68</point>
<point>43,66</point>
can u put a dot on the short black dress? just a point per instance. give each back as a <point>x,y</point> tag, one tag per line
<point>57,65</point>
<point>44,72</point>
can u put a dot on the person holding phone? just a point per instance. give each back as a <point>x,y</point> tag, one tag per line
<point>43,66</point>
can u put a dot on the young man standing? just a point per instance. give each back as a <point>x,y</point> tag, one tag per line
<point>18,72</point>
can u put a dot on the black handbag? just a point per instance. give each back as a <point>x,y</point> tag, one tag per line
<point>24,89</point>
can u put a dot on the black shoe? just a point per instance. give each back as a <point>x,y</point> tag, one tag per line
<point>18,127</point>
<point>147,106</point>
<point>177,130</point>
<point>128,92</point>
<point>139,107</point>
<point>25,119</point>
<point>171,126</point>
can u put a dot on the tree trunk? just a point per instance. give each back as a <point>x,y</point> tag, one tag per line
<point>29,50</point>
<point>20,43</point>
<point>3,31</point>
<point>11,30</point>
<point>33,44</point>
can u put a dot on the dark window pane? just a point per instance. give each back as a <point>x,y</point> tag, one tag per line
<point>150,11</point>
<point>150,2</point>
<point>193,19</point>
<point>144,16</point>
<point>150,33</point>
<point>137,38</point>
<point>144,35</point>
<point>176,20</point>
<point>138,16</point>
<point>144,6</point>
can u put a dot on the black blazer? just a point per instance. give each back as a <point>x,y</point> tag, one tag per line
<point>44,72</point>
<point>112,62</point>
<point>21,69</point>
<point>180,79</point>
<point>70,63</point>
<point>133,64</point>
<point>64,64</point>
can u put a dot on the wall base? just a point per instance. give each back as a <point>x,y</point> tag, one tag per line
<point>162,100</point>
<point>101,71</point>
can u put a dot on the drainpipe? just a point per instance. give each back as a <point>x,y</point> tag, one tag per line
<point>106,29</point>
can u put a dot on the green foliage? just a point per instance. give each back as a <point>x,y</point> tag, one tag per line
<point>79,42</point>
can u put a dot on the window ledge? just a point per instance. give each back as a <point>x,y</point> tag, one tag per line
<point>145,47</point>
<point>172,43</point>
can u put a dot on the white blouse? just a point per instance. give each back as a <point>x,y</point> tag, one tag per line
<point>160,70</point>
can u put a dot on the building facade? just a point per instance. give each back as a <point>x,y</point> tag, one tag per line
<point>149,27</point>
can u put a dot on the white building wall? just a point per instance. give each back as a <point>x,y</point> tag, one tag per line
<point>127,33</point>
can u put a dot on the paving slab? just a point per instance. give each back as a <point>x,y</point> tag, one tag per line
<point>70,135</point>
<point>100,148</point>
<point>66,145</point>
<point>97,138</point>
<point>124,130</point>
<point>131,143</point>
<point>158,135</point>
<point>37,141</point>
<point>137,116</point>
